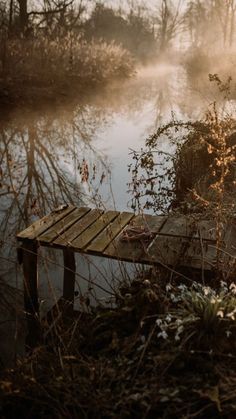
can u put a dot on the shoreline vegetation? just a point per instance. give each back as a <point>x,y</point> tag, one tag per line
<point>60,51</point>
<point>44,70</point>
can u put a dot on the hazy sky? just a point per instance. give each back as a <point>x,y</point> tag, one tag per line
<point>150,3</point>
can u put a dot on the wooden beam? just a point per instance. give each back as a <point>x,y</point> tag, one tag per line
<point>69,278</point>
<point>31,302</point>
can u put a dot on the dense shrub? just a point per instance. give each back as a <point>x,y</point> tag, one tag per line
<point>69,61</point>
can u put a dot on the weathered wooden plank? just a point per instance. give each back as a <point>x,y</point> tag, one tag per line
<point>129,251</point>
<point>228,253</point>
<point>206,230</point>
<point>230,239</point>
<point>149,222</point>
<point>40,226</point>
<point>167,250</point>
<point>180,226</point>
<point>61,226</point>
<point>133,248</point>
<point>93,231</point>
<point>78,228</point>
<point>180,251</point>
<point>201,254</point>
<point>104,239</point>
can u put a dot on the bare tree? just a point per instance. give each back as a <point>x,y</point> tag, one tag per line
<point>211,22</point>
<point>23,15</point>
<point>50,8</point>
<point>169,22</point>
<point>195,20</point>
<point>226,14</point>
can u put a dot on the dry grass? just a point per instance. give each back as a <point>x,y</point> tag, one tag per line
<point>119,363</point>
<point>60,64</point>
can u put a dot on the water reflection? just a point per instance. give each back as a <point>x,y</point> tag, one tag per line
<point>43,155</point>
<point>39,165</point>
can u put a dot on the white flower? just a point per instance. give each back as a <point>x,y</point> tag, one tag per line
<point>223,285</point>
<point>168,318</point>
<point>228,333</point>
<point>182,287</point>
<point>143,339</point>
<point>158,322</point>
<point>174,298</point>
<point>231,314</point>
<point>168,287</point>
<point>232,288</point>
<point>180,329</point>
<point>215,300</point>
<point>206,290</point>
<point>162,334</point>
<point>220,313</point>
<point>177,337</point>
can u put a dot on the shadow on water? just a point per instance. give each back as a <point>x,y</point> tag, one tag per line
<point>77,155</point>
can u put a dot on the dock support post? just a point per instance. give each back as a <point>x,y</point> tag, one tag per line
<point>69,278</point>
<point>31,302</point>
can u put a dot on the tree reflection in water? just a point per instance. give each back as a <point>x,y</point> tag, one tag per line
<point>39,166</point>
<point>40,159</point>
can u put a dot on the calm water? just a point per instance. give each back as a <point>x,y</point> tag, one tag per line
<point>43,155</point>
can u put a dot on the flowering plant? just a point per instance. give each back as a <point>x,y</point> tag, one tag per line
<point>201,316</point>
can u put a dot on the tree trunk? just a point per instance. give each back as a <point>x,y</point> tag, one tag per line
<point>23,15</point>
<point>10,17</point>
<point>232,23</point>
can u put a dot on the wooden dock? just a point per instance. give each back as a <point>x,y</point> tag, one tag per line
<point>171,241</point>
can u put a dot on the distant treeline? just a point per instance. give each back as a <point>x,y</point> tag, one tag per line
<point>56,44</point>
<point>137,27</point>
